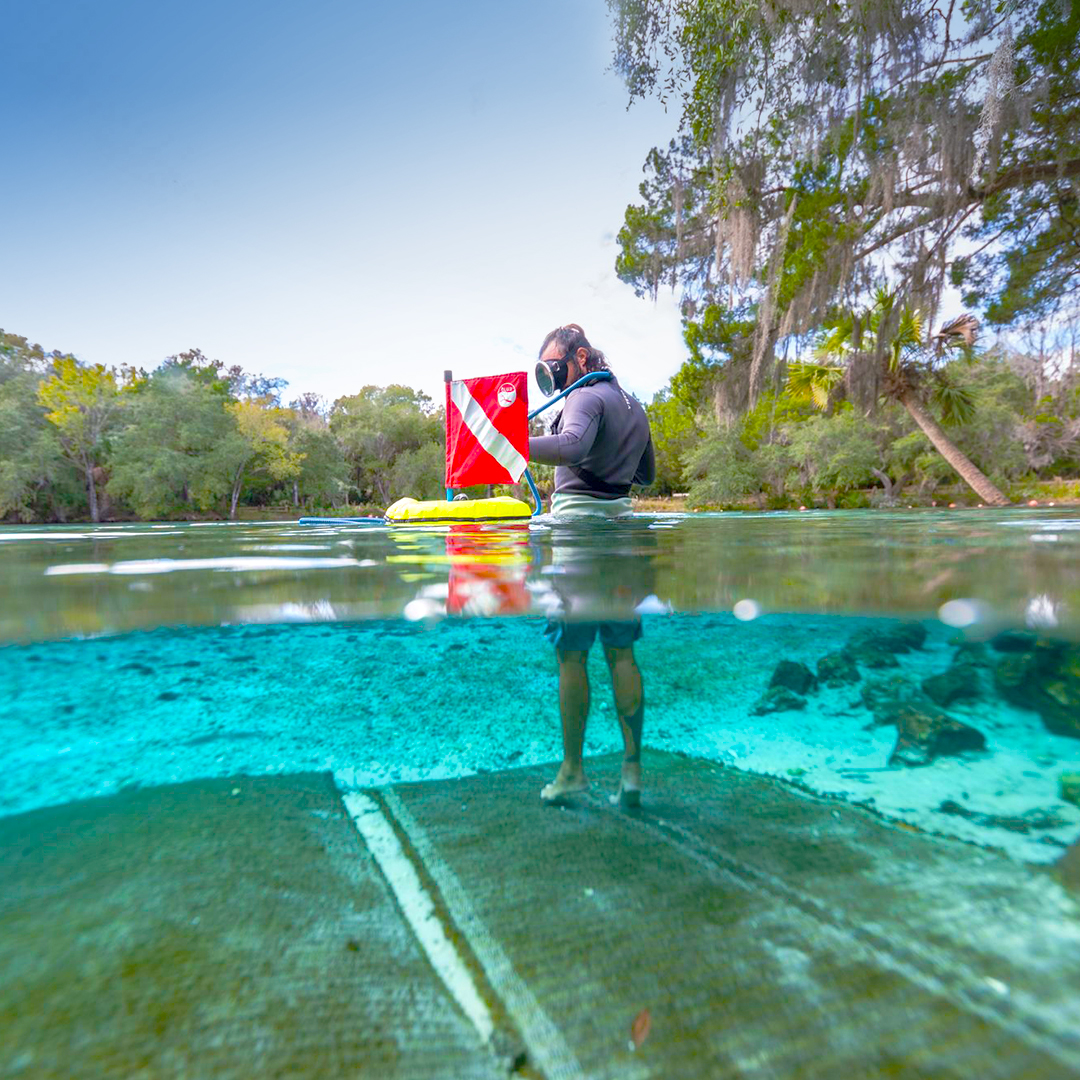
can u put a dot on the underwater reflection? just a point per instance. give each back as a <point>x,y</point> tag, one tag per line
<point>592,580</point>
<point>488,570</point>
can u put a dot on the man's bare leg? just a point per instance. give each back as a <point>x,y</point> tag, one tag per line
<point>574,709</point>
<point>630,706</point>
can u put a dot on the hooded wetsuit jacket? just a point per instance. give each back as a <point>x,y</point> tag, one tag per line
<point>600,443</point>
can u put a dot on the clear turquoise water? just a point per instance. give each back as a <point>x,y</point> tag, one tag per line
<point>146,654</point>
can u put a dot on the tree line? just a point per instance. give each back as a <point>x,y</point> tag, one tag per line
<point>194,437</point>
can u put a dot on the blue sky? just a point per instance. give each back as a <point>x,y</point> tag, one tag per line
<point>336,193</point>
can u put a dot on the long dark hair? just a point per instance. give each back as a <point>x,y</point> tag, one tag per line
<point>570,338</point>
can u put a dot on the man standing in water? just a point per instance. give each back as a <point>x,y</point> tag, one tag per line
<point>600,445</point>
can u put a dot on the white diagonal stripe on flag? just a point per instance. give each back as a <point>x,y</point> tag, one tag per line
<point>485,432</point>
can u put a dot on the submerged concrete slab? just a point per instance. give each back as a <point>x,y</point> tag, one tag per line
<point>242,927</point>
<point>227,928</point>
<point>768,933</point>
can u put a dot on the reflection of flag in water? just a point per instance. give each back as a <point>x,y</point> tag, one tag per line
<point>488,569</point>
<point>487,430</point>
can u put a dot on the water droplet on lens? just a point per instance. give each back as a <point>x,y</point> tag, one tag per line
<point>959,613</point>
<point>745,610</point>
<point>416,610</point>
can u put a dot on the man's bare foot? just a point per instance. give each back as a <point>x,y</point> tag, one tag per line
<point>567,782</point>
<point>629,794</point>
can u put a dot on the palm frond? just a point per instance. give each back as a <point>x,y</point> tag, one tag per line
<point>883,300</point>
<point>910,330</point>
<point>814,380</point>
<point>836,345</point>
<point>838,336</point>
<point>956,403</point>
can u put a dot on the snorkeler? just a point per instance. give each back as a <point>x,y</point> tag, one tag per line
<point>600,445</point>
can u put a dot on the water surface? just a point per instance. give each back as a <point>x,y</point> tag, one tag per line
<point>1005,567</point>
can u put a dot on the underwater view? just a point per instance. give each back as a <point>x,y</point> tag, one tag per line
<point>874,718</point>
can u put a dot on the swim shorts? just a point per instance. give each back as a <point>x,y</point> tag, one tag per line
<point>579,636</point>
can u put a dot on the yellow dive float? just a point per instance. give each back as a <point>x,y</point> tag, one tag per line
<point>415,512</point>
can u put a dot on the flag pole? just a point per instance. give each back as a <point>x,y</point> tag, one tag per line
<point>448,377</point>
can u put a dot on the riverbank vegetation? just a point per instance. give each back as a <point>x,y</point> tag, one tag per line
<point>1020,425</point>
<point>843,178</point>
<point>194,438</point>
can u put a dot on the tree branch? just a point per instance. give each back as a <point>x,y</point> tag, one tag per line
<point>1027,174</point>
<point>1022,174</point>
<point>895,234</point>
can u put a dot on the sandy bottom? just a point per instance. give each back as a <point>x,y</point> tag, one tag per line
<point>379,702</point>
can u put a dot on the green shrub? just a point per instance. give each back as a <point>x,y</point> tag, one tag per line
<point>853,500</point>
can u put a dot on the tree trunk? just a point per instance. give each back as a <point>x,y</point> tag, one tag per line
<point>886,480</point>
<point>295,492</point>
<point>893,488</point>
<point>235,497</point>
<point>91,491</point>
<point>952,453</point>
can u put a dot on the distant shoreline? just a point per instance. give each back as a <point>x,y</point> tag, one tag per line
<point>643,504</point>
<point>960,500</point>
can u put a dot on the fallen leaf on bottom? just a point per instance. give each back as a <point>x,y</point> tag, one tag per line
<point>639,1029</point>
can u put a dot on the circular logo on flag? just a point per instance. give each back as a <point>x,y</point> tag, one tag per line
<point>507,394</point>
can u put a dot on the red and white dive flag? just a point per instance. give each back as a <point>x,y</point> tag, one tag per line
<point>487,430</point>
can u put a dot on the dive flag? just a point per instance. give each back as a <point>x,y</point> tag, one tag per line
<point>487,430</point>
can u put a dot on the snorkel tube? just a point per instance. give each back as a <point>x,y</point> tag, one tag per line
<point>588,377</point>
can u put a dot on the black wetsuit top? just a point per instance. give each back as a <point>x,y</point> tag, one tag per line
<point>600,443</point>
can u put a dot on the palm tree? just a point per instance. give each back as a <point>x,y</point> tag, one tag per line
<point>901,367</point>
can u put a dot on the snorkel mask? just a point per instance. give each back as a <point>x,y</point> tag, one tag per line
<point>551,376</point>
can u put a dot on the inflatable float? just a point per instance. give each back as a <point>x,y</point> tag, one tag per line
<point>412,511</point>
